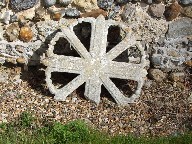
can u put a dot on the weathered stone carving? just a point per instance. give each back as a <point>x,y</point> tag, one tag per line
<point>95,67</point>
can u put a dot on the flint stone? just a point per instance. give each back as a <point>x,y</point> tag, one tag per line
<point>49,3</point>
<point>19,5</point>
<point>105,4</point>
<point>156,60</point>
<point>65,2</point>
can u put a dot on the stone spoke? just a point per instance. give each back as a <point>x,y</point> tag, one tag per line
<point>62,93</point>
<point>65,64</point>
<point>115,92</point>
<point>127,42</point>
<point>76,43</point>
<point>93,89</point>
<point>99,38</point>
<point>124,70</point>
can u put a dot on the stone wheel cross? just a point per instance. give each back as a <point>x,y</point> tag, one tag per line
<point>96,67</point>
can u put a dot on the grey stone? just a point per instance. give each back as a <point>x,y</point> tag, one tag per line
<point>114,12</point>
<point>186,2</point>
<point>49,3</point>
<point>180,28</point>
<point>105,4</point>
<point>72,12</point>
<point>65,2</point>
<point>156,60</point>
<point>122,1</point>
<point>96,67</point>
<point>2,60</point>
<point>5,16</point>
<point>157,74</point>
<point>19,5</point>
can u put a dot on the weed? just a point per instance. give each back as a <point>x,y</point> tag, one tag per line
<point>26,119</point>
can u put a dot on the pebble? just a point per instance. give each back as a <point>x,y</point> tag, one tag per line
<point>157,10</point>
<point>156,60</point>
<point>114,12</point>
<point>12,32</point>
<point>186,2</point>
<point>187,11</point>
<point>177,76</point>
<point>56,16</point>
<point>22,21</point>
<point>105,4</point>
<point>20,60</point>
<point>39,13</point>
<point>94,13</point>
<point>122,1</point>
<point>189,63</point>
<point>180,28</point>
<point>3,77</point>
<point>49,3</point>
<point>173,53</point>
<point>2,60</point>
<point>5,16</point>
<point>26,34</point>
<point>19,5</point>
<point>72,12</point>
<point>157,74</point>
<point>148,83</point>
<point>65,2</point>
<point>172,11</point>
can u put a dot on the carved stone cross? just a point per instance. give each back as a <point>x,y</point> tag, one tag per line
<point>96,67</point>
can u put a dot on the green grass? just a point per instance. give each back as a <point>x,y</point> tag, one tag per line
<point>24,131</point>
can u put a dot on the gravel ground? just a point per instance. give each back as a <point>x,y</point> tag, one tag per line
<point>163,108</point>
